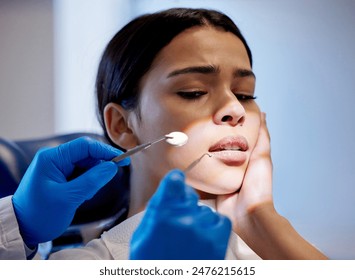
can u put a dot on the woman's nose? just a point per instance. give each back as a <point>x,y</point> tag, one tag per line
<point>231,112</point>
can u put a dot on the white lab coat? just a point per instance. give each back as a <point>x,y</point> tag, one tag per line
<point>114,245</point>
<point>11,243</point>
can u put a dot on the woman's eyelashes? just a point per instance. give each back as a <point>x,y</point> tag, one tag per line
<point>244,97</point>
<point>191,94</point>
<point>198,93</point>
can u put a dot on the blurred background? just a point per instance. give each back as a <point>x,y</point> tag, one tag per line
<point>305,66</point>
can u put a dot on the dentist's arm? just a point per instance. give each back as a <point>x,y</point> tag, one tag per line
<point>45,201</point>
<point>175,227</point>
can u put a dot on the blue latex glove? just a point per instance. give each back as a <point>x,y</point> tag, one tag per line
<point>45,201</point>
<point>176,227</point>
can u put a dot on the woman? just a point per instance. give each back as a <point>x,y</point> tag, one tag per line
<point>190,70</point>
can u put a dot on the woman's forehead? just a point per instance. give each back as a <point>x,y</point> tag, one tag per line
<point>202,46</point>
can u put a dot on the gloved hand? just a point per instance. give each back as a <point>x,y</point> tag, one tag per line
<point>176,227</point>
<point>45,201</point>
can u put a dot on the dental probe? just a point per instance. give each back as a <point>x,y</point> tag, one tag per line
<point>175,138</point>
<point>195,162</point>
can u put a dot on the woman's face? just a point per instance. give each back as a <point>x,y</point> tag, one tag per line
<point>202,84</point>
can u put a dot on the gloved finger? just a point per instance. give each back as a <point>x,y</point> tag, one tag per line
<point>88,163</point>
<point>172,188</point>
<point>219,226</point>
<point>88,184</point>
<point>210,219</point>
<point>86,147</point>
<point>67,155</point>
<point>206,216</point>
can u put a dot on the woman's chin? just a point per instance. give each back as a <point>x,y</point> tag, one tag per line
<point>208,191</point>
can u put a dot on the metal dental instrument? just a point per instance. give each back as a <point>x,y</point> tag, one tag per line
<point>195,162</point>
<point>138,149</point>
<point>174,138</point>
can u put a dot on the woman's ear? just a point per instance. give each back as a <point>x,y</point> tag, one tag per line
<point>118,127</point>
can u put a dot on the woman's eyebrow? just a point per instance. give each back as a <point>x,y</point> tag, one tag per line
<point>241,73</point>
<point>210,69</point>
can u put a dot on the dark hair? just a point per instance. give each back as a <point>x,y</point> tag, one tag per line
<point>130,53</point>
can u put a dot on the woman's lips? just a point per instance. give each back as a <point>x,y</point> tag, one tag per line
<point>231,150</point>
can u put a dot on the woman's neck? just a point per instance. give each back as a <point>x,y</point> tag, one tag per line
<point>142,187</point>
<point>143,183</point>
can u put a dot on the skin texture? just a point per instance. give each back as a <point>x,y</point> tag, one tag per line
<point>218,113</point>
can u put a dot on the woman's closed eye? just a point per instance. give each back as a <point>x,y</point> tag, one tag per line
<point>195,94</point>
<point>244,97</point>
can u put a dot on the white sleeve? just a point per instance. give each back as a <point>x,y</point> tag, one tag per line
<point>11,243</point>
<point>94,250</point>
<point>113,244</point>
